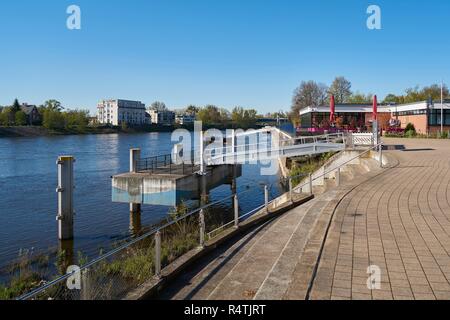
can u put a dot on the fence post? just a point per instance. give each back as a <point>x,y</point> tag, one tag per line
<point>266,197</point>
<point>202,228</point>
<point>338,177</point>
<point>236,211</point>
<point>65,197</point>
<point>158,254</point>
<point>310,184</point>
<point>291,197</point>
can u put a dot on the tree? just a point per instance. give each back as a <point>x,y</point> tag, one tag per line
<point>76,119</point>
<point>341,89</point>
<point>392,98</point>
<point>53,119</point>
<point>54,105</point>
<point>192,110</point>
<point>416,93</point>
<point>6,117</point>
<point>20,118</point>
<point>210,115</point>
<point>159,106</point>
<point>15,107</point>
<point>360,98</point>
<point>244,118</point>
<point>308,94</point>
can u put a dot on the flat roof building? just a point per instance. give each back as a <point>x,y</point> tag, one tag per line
<point>117,112</point>
<point>424,115</point>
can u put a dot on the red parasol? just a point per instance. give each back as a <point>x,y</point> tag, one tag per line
<point>332,110</point>
<point>375,108</point>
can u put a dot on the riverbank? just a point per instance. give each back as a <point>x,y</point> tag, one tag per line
<point>39,131</point>
<point>35,131</point>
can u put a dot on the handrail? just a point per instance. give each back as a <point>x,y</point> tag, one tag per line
<point>379,145</point>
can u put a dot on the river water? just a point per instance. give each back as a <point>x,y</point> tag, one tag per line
<point>28,199</point>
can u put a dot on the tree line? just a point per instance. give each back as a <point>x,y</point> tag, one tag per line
<point>212,115</point>
<point>52,115</point>
<point>312,93</point>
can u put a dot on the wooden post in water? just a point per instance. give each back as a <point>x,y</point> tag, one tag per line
<point>65,197</point>
<point>135,156</point>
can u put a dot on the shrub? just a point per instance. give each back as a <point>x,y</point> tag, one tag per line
<point>20,118</point>
<point>410,127</point>
<point>410,134</point>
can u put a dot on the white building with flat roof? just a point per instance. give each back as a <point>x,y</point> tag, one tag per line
<point>117,112</point>
<point>161,117</point>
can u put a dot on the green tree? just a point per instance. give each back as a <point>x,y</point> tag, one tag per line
<point>76,119</point>
<point>20,118</point>
<point>53,119</point>
<point>244,118</point>
<point>341,89</point>
<point>360,98</point>
<point>209,115</point>
<point>54,105</point>
<point>15,107</point>
<point>5,117</point>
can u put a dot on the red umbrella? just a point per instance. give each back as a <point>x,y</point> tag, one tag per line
<point>332,109</point>
<point>375,108</point>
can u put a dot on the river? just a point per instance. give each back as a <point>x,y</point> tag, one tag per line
<point>28,199</point>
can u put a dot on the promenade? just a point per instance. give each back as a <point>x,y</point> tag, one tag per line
<point>396,218</point>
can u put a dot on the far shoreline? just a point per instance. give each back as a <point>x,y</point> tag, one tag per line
<point>39,131</point>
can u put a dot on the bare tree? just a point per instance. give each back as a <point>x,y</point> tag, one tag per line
<point>341,89</point>
<point>157,105</point>
<point>308,94</point>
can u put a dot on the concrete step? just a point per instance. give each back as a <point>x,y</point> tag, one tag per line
<point>198,283</point>
<point>279,278</point>
<point>247,276</point>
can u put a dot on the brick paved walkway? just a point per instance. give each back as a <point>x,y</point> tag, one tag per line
<point>397,218</point>
<point>399,221</point>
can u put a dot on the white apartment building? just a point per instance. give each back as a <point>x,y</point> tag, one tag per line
<point>116,112</point>
<point>185,119</point>
<point>161,117</point>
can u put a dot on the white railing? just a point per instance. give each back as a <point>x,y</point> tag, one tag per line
<point>363,139</point>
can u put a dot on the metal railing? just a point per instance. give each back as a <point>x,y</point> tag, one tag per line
<point>164,164</point>
<point>337,169</point>
<point>116,273</point>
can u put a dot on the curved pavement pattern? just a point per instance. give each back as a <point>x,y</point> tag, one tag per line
<point>397,219</point>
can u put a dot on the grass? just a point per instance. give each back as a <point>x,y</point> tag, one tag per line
<point>306,165</point>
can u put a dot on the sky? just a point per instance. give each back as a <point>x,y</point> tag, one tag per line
<point>251,53</point>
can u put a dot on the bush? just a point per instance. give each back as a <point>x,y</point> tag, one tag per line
<point>20,118</point>
<point>410,134</point>
<point>410,127</point>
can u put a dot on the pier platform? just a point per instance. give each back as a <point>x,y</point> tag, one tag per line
<point>170,185</point>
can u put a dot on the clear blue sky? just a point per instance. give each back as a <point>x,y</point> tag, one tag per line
<point>251,53</point>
